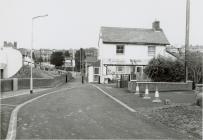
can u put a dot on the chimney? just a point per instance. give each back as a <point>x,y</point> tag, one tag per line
<point>156,26</point>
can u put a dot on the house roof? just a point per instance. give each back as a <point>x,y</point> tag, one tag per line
<point>133,36</point>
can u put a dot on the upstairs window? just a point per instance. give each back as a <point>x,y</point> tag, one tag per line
<point>119,49</point>
<point>151,50</point>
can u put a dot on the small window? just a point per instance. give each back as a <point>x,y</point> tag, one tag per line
<point>119,49</point>
<point>151,50</point>
<point>96,70</point>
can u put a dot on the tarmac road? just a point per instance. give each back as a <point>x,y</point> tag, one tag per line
<point>84,112</point>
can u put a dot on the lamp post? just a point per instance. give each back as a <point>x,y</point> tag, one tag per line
<point>187,38</point>
<point>32,40</point>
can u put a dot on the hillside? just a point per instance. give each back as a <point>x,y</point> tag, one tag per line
<point>24,72</point>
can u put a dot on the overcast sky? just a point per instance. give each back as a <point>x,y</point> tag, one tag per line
<point>76,23</point>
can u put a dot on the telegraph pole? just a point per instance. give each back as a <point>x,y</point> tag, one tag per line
<point>187,38</point>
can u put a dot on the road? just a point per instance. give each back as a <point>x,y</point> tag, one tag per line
<point>84,112</point>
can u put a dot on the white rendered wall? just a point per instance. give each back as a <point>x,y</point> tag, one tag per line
<point>13,59</point>
<point>90,74</point>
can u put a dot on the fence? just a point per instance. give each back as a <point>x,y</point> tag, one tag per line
<point>162,86</point>
<point>24,83</point>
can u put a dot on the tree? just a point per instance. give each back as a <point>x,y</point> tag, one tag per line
<point>67,54</point>
<point>162,69</point>
<point>33,56</point>
<point>195,65</point>
<point>79,55</point>
<point>57,59</point>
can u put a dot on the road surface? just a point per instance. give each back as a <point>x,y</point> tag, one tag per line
<point>84,112</point>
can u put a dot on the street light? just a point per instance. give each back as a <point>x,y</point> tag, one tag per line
<point>187,32</point>
<point>32,40</point>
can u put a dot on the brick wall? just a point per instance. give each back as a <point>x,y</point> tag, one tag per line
<point>162,86</point>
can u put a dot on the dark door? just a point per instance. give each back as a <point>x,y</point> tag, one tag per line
<point>1,74</point>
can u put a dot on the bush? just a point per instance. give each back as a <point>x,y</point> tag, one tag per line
<point>165,70</point>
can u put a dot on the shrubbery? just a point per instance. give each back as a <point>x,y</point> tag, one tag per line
<point>165,70</point>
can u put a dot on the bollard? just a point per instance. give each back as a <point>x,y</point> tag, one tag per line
<point>146,95</point>
<point>156,96</point>
<point>137,92</point>
<point>66,78</point>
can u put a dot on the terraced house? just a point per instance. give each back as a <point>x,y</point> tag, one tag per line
<point>126,51</point>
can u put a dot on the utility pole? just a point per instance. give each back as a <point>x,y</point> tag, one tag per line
<point>187,38</point>
<point>81,62</point>
<point>40,58</point>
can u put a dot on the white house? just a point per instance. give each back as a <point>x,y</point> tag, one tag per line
<point>10,61</point>
<point>126,51</point>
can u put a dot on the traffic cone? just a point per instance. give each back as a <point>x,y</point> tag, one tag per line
<point>156,97</point>
<point>146,95</point>
<point>137,92</point>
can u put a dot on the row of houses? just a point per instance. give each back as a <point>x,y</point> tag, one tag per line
<point>126,52</point>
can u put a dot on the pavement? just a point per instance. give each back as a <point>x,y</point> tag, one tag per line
<point>10,94</point>
<point>85,112</point>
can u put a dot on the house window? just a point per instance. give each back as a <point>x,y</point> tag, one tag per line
<point>151,50</point>
<point>120,69</point>
<point>138,69</point>
<point>96,70</point>
<point>119,49</point>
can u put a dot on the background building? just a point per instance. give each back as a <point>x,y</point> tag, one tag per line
<point>10,61</point>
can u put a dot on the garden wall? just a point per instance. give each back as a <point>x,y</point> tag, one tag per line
<point>162,86</point>
<point>24,83</point>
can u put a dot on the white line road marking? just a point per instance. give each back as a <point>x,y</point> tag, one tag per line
<point>118,101</point>
<point>11,134</point>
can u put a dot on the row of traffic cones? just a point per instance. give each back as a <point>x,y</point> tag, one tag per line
<point>146,95</point>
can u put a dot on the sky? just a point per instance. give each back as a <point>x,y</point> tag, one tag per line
<point>76,23</point>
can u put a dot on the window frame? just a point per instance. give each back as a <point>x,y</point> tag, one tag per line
<point>120,49</point>
<point>152,52</point>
